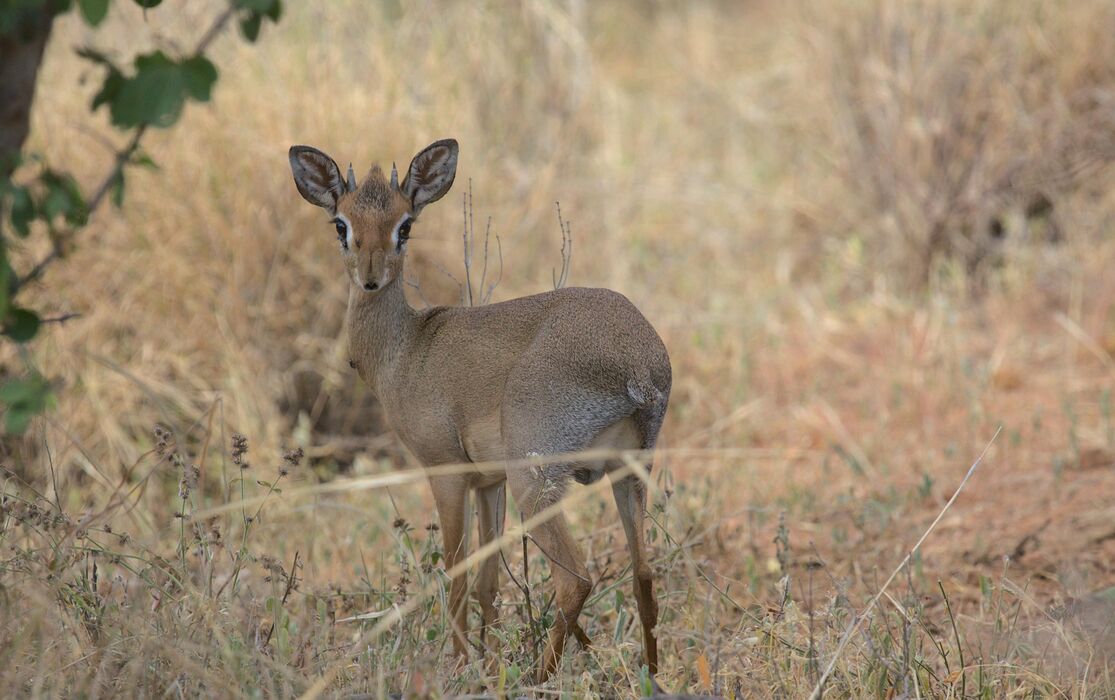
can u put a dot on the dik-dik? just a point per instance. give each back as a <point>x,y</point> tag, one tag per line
<point>554,373</point>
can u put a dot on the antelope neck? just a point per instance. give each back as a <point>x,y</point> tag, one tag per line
<point>381,326</point>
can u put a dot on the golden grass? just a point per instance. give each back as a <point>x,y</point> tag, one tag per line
<point>775,187</point>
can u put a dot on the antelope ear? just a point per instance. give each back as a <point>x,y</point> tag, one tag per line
<point>431,174</point>
<point>317,176</point>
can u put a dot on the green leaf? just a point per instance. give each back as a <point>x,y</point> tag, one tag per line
<point>200,74</point>
<point>56,203</point>
<point>249,26</point>
<point>22,325</point>
<point>23,210</point>
<point>63,198</point>
<point>114,79</point>
<point>5,281</point>
<point>93,11</point>
<point>17,419</point>
<point>10,160</point>
<point>25,398</point>
<point>110,88</point>
<point>154,95</point>
<point>646,681</point>
<point>255,12</point>
<point>17,391</point>
<point>148,4</point>
<point>260,6</point>
<point>157,91</point>
<point>144,160</point>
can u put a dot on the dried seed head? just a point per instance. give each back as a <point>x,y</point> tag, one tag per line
<point>190,477</point>
<point>272,565</point>
<point>239,449</point>
<point>293,457</point>
<point>404,580</point>
<point>164,440</point>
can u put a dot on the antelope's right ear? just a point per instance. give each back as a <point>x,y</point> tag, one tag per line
<point>430,174</point>
<point>317,176</point>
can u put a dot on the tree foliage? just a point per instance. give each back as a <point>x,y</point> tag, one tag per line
<point>38,199</point>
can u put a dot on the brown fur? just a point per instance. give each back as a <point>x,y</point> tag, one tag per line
<point>552,373</point>
<point>373,210</point>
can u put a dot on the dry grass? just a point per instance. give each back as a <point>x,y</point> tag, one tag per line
<point>826,211</point>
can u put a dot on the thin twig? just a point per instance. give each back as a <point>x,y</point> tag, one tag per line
<point>535,635</point>
<point>819,688</point>
<point>492,287</point>
<point>555,560</point>
<point>566,250</point>
<point>290,583</point>
<point>959,647</point>
<point>62,318</point>
<point>466,240</point>
<point>484,270</point>
<point>447,273</point>
<point>53,476</point>
<point>414,284</point>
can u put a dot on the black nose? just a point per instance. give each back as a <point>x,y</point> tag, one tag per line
<point>371,286</point>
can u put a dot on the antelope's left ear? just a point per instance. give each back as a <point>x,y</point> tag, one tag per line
<point>431,174</point>
<point>317,176</point>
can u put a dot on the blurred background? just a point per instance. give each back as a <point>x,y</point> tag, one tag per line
<point>870,233</point>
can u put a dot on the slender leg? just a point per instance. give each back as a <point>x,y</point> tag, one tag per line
<point>451,497</point>
<point>534,492</point>
<point>492,504</point>
<point>631,501</point>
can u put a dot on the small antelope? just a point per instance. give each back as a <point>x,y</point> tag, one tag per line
<point>549,374</point>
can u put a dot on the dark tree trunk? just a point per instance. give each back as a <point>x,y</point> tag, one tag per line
<point>21,52</point>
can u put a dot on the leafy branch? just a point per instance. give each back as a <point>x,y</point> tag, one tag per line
<point>152,93</point>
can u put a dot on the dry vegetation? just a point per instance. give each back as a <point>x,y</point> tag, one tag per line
<point>870,233</point>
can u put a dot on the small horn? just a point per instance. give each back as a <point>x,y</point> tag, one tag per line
<point>394,177</point>
<point>351,179</point>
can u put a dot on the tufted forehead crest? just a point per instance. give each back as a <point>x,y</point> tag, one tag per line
<point>374,192</point>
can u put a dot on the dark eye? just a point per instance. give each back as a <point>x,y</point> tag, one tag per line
<point>342,232</point>
<point>404,234</point>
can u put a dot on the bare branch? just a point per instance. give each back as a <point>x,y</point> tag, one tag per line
<point>412,282</point>
<point>484,271</point>
<point>447,273</point>
<point>566,250</point>
<point>61,318</point>
<point>491,288</point>
<point>466,238</point>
